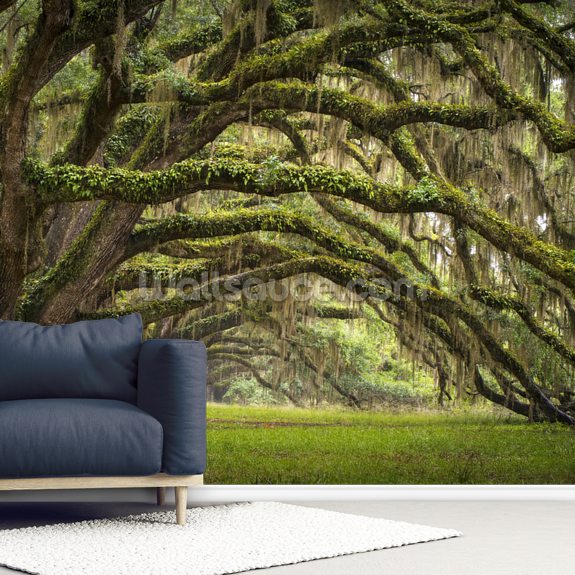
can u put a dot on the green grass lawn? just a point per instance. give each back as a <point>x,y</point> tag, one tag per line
<point>259,445</point>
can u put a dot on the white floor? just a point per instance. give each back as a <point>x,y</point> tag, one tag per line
<point>500,538</point>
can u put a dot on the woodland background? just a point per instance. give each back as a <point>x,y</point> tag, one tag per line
<point>420,154</point>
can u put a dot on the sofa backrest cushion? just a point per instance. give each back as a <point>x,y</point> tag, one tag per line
<point>89,359</point>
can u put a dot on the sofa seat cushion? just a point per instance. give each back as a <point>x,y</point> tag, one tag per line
<point>71,437</point>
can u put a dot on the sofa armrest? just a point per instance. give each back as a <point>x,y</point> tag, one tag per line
<point>172,388</point>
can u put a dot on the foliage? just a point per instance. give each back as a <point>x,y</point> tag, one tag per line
<point>409,164</point>
<point>247,391</point>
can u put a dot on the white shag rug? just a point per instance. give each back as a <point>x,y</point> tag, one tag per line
<point>216,540</point>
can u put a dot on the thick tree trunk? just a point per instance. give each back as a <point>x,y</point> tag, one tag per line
<point>93,255</point>
<point>17,217</point>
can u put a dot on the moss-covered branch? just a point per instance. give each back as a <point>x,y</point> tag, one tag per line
<point>302,60</point>
<point>93,21</point>
<point>71,183</point>
<point>507,401</point>
<point>557,135</point>
<point>245,244</point>
<point>563,46</point>
<point>212,324</point>
<point>354,278</point>
<point>387,236</point>
<point>208,258</point>
<point>378,120</point>
<point>100,109</point>
<point>371,117</point>
<point>281,19</point>
<point>235,358</point>
<point>511,303</point>
<point>445,307</point>
<point>184,44</point>
<point>242,221</point>
<point>330,268</point>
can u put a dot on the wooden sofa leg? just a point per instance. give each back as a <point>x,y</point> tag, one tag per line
<point>161,495</point>
<point>181,504</point>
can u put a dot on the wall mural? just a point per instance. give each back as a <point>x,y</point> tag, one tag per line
<point>364,209</point>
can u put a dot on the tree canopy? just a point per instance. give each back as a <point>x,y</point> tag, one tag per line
<point>417,154</point>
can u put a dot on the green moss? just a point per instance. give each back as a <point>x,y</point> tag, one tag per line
<point>184,44</point>
<point>74,183</point>
<point>69,267</point>
<point>428,190</point>
<point>130,130</point>
<point>491,298</point>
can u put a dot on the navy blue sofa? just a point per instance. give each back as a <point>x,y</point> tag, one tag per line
<point>89,405</point>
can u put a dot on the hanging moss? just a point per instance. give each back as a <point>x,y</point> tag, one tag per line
<point>429,143</point>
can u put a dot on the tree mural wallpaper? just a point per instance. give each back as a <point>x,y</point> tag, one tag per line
<point>365,209</point>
